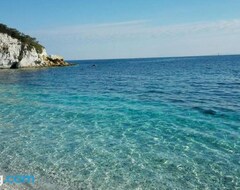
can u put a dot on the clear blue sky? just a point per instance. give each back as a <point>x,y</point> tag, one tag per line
<point>83,29</point>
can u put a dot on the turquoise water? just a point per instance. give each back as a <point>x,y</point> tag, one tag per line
<point>169,123</point>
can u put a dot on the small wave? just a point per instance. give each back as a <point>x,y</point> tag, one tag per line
<point>177,101</point>
<point>205,111</point>
<point>155,91</point>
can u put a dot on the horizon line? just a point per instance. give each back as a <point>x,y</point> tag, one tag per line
<point>183,56</point>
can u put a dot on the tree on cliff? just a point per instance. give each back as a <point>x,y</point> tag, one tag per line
<point>27,40</point>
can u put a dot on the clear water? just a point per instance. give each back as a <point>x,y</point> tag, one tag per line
<point>169,123</point>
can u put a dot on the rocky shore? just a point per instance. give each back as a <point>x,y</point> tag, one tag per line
<point>15,53</point>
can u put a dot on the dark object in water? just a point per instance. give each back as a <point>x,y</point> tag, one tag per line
<point>93,65</point>
<point>205,111</point>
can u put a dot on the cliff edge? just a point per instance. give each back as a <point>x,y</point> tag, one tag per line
<point>18,50</point>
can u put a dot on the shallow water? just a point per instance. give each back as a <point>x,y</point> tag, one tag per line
<point>169,123</point>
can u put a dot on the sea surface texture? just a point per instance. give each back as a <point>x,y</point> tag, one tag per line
<point>167,123</point>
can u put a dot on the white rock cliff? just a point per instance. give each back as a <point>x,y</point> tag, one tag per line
<point>14,54</point>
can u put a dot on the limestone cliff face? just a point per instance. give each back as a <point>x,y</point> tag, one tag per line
<point>15,54</point>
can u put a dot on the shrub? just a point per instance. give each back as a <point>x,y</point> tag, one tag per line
<point>27,40</point>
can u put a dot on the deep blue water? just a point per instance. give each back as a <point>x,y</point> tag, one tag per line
<point>167,123</point>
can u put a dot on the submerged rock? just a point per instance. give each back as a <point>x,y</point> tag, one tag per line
<point>17,52</point>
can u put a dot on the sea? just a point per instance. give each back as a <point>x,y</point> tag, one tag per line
<point>154,123</point>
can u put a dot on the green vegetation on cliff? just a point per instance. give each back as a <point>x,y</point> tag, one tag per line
<point>25,39</point>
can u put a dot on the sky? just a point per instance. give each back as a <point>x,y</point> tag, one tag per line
<point>106,29</point>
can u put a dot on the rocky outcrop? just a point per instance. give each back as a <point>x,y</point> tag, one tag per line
<point>16,54</point>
